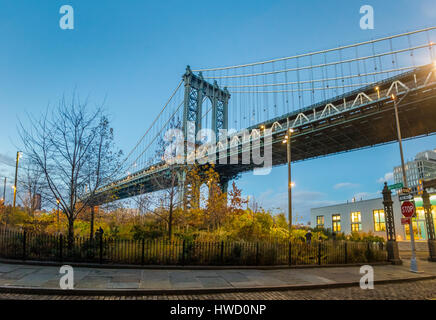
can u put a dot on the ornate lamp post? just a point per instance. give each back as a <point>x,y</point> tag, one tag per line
<point>391,245</point>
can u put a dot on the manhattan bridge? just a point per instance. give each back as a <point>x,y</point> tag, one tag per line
<point>335,100</point>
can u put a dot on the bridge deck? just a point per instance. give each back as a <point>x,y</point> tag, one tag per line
<point>353,126</point>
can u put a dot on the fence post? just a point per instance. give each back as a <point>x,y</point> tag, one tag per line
<point>24,244</point>
<point>290,253</point>
<point>368,251</point>
<point>319,253</point>
<point>346,252</point>
<point>257,253</point>
<point>222,252</point>
<point>142,250</point>
<point>61,245</point>
<point>183,252</point>
<point>101,248</point>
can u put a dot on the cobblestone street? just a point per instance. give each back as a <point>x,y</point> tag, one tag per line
<point>416,290</point>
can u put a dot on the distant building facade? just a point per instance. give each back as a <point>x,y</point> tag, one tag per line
<point>368,216</point>
<point>422,168</point>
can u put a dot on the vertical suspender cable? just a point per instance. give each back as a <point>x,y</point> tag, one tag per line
<point>342,72</point>
<point>311,79</point>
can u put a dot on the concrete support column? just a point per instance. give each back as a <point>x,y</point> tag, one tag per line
<point>392,245</point>
<point>181,177</point>
<point>430,226</point>
<point>224,185</point>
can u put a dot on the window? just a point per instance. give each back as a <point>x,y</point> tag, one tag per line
<point>356,222</point>
<point>336,219</point>
<point>379,220</point>
<point>320,221</point>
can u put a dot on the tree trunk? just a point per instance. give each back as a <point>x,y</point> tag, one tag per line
<point>170,221</point>
<point>70,233</point>
<point>91,232</point>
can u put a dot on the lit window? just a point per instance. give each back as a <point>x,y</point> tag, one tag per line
<point>336,219</point>
<point>356,222</point>
<point>320,221</point>
<point>379,220</point>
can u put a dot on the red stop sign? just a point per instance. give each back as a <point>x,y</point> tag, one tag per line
<point>407,209</point>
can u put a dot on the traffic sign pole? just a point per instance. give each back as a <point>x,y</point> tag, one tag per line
<point>413,264</point>
<point>408,210</point>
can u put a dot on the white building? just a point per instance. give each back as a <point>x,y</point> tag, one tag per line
<point>368,216</point>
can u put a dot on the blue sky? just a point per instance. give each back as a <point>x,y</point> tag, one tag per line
<point>132,53</point>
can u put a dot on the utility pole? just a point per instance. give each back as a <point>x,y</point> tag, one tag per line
<point>288,146</point>
<point>413,265</point>
<point>58,230</point>
<point>16,176</point>
<point>4,192</point>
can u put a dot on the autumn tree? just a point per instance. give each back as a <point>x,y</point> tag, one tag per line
<point>216,204</point>
<point>236,201</point>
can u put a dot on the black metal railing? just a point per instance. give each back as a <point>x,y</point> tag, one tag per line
<point>24,245</point>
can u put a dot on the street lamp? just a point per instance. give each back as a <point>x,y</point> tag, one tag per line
<point>413,265</point>
<point>4,192</point>
<point>288,145</point>
<point>19,154</point>
<point>378,91</point>
<point>57,202</point>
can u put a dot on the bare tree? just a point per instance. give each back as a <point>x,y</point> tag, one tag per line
<point>167,181</point>
<point>168,198</point>
<point>73,147</point>
<point>143,201</point>
<point>100,167</point>
<point>31,181</point>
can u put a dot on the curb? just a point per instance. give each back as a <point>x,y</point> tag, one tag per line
<point>144,292</point>
<point>180,267</point>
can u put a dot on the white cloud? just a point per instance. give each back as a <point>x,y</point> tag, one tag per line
<point>7,159</point>
<point>366,195</point>
<point>388,177</point>
<point>345,185</point>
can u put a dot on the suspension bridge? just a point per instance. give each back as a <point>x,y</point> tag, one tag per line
<point>334,100</point>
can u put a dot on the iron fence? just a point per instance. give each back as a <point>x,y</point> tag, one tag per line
<point>24,245</point>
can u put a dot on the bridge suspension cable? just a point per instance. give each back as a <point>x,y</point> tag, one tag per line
<point>266,89</point>
<point>317,52</point>
<point>152,125</point>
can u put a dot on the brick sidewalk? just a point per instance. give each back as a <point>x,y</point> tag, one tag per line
<point>416,290</point>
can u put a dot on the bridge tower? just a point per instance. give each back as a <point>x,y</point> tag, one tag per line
<point>197,90</point>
